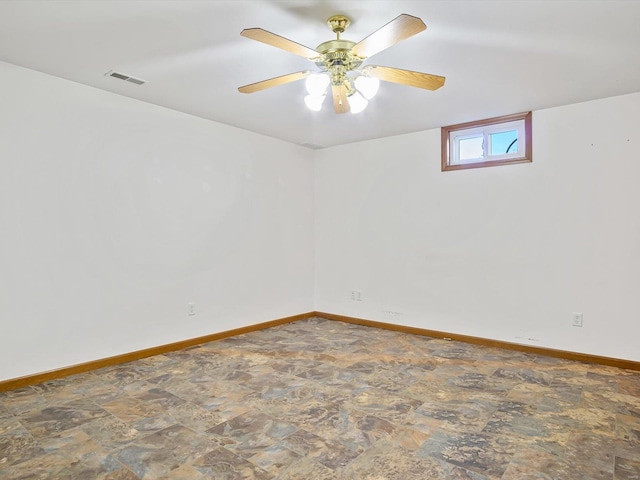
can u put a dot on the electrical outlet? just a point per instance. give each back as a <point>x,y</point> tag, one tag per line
<point>191,309</point>
<point>576,319</point>
<point>356,295</point>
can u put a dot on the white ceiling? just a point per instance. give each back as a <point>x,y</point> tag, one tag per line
<point>499,57</point>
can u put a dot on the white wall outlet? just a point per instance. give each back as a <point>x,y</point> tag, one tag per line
<point>191,309</point>
<point>576,319</point>
<point>356,295</point>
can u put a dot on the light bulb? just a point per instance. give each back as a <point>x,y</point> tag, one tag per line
<point>367,86</point>
<point>357,103</point>
<point>317,83</point>
<point>314,102</point>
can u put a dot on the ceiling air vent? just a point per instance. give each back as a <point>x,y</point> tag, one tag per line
<point>125,77</point>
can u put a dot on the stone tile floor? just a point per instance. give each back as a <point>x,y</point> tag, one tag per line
<point>319,399</point>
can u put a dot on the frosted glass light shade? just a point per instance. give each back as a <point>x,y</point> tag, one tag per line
<point>317,83</point>
<point>367,86</point>
<point>357,103</point>
<point>314,102</point>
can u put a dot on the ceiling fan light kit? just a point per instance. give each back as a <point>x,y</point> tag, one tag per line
<point>367,86</point>
<point>340,64</point>
<point>317,83</point>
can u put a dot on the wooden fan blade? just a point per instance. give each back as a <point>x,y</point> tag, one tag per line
<point>398,29</point>
<point>406,77</point>
<point>340,101</point>
<point>274,82</point>
<point>277,41</point>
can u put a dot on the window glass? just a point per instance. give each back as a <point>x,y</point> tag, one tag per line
<point>504,142</point>
<point>471,148</point>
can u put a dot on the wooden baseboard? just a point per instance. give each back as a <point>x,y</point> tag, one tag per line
<point>27,380</point>
<point>139,354</point>
<point>549,352</point>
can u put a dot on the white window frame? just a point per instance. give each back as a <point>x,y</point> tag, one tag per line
<point>452,135</point>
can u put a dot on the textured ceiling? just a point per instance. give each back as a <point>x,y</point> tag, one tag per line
<point>499,57</point>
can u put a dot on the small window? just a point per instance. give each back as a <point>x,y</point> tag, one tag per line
<point>486,143</point>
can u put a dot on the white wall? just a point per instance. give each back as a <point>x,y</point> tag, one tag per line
<point>507,252</point>
<point>115,213</point>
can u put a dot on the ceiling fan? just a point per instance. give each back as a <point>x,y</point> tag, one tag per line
<point>340,64</point>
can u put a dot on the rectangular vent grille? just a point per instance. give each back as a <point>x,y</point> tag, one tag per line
<point>125,77</point>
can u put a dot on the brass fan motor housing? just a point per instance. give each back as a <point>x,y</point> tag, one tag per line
<point>336,55</point>
<point>337,52</point>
